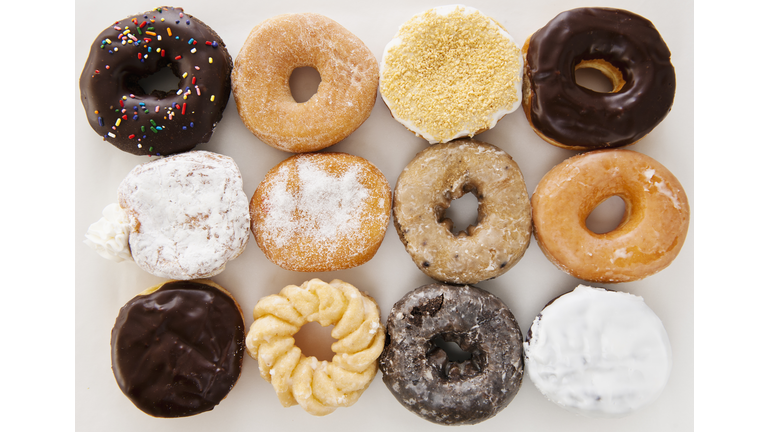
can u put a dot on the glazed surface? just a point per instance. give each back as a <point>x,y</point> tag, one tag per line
<point>648,238</point>
<point>444,172</point>
<point>420,374</point>
<point>159,123</point>
<point>178,350</point>
<point>571,116</point>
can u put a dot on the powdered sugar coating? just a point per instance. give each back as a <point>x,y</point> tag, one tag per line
<point>321,212</point>
<point>189,214</point>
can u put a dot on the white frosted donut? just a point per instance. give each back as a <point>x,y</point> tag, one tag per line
<point>598,353</point>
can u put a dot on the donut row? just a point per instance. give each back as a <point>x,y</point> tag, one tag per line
<point>439,86</point>
<point>177,350</point>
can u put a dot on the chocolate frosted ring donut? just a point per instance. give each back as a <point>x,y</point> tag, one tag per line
<point>444,172</point>
<point>177,348</point>
<point>625,47</point>
<point>422,377</point>
<point>159,123</point>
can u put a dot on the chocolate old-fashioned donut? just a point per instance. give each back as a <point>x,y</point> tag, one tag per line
<point>625,47</point>
<point>177,348</point>
<point>159,123</point>
<point>422,377</point>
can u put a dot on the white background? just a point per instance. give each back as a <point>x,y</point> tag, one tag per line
<point>102,287</point>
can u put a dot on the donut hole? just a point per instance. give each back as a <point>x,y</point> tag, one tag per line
<point>461,214</point>
<point>315,340</point>
<point>599,76</point>
<point>304,82</point>
<point>161,82</point>
<point>452,349</point>
<point>456,362</point>
<point>607,216</point>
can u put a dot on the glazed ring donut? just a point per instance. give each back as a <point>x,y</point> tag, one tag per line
<point>649,236</point>
<point>318,386</point>
<point>451,72</point>
<point>422,377</point>
<point>320,212</point>
<point>627,49</point>
<point>344,98</point>
<point>177,348</point>
<point>444,172</point>
<point>159,123</point>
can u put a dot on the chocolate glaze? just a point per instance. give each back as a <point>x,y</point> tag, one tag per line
<point>171,122</point>
<point>578,117</point>
<point>420,374</point>
<point>179,350</point>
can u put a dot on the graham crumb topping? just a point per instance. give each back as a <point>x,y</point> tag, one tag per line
<point>451,72</point>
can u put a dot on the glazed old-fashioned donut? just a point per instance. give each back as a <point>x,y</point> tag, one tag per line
<point>444,172</point>
<point>321,212</point>
<point>622,45</point>
<point>344,98</point>
<point>598,353</point>
<point>317,386</point>
<point>649,236</point>
<point>158,123</point>
<point>421,375</point>
<point>177,348</point>
<point>451,72</point>
<point>181,217</point>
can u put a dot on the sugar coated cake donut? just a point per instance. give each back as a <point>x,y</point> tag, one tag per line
<point>321,212</point>
<point>451,72</point>
<point>260,82</point>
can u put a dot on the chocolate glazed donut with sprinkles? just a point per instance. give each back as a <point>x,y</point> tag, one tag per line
<point>161,122</point>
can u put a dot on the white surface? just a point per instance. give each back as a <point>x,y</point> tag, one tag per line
<point>102,286</point>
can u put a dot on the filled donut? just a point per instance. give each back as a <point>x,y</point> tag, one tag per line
<point>159,123</point>
<point>319,387</point>
<point>344,98</point>
<point>622,45</point>
<point>321,212</point>
<point>649,236</point>
<point>451,72</point>
<point>422,376</point>
<point>177,348</point>
<point>598,353</point>
<point>444,172</point>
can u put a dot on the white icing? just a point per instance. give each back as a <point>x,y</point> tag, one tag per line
<point>598,353</point>
<point>109,235</point>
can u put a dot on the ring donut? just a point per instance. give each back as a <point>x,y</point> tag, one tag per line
<point>649,236</point>
<point>160,123</point>
<point>421,375</point>
<point>444,172</point>
<point>260,82</point>
<point>627,49</point>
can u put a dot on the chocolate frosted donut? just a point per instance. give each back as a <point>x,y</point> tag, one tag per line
<point>159,123</point>
<point>625,47</point>
<point>420,374</point>
<point>177,348</point>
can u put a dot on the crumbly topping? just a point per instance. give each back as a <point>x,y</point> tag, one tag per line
<point>450,74</point>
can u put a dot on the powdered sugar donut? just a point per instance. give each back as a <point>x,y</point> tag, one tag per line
<point>186,216</point>
<point>321,212</point>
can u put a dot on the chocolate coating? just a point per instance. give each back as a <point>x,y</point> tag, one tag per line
<point>159,123</point>
<point>178,351</point>
<point>581,118</point>
<point>422,377</point>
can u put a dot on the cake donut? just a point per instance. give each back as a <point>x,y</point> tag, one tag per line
<point>598,353</point>
<point>622,45</point>
<point>260,82</point>
<point>158,123</point>
<point>177,348</point>
<point>319,387</point>
<point>180,217</point>
<point>451,72</point>
<point>320,212</point>
<point>444,172</point>
<point>421,375</point>
<point>649,236</point>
